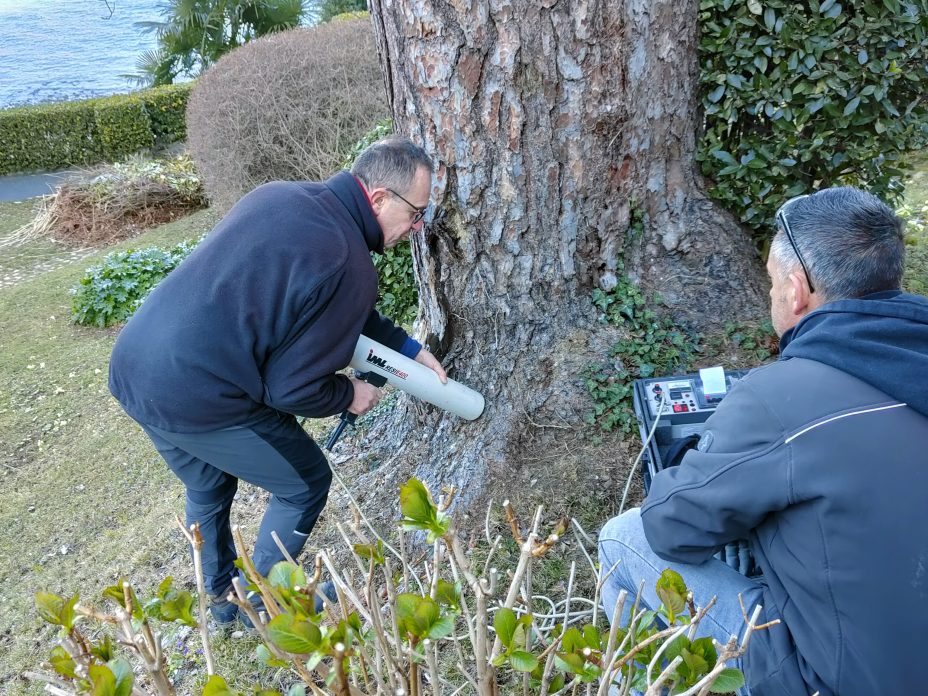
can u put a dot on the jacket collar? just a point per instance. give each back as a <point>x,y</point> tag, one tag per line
<point>347,189</point>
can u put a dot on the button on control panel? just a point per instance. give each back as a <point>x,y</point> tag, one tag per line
<point>684,395</point>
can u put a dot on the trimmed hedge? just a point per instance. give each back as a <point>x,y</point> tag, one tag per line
<point>123,126</point>
<point>803,96</point>
<point>54,136</point>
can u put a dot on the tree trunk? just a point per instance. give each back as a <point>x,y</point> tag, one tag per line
<point>564,136</point>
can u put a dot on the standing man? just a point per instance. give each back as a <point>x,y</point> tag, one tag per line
<point>250,331</point>
<point>820,461</point>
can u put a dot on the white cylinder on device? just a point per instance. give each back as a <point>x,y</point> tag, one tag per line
<point>416,379</point>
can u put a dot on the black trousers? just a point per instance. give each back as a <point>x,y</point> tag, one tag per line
<point>275,454</point>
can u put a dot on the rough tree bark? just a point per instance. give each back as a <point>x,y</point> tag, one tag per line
<point>552,122</point>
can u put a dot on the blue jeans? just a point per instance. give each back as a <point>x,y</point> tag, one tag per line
<point>622,539</point>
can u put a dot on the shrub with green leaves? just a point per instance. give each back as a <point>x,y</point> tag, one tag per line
<point>89,131</point>
<point>803,96</point>
<point>399,295</point>
<point>395,616</point>
<point>110,292</point>
<point>123,126</point>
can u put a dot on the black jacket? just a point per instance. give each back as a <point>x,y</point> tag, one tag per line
<point>821,460</point>
<point>261,315</point>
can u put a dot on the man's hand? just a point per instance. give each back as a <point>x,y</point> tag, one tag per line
<point>365,398</point>
<point>431,362</point>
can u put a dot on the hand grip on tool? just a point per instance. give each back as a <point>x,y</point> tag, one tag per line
<point>347,417</point>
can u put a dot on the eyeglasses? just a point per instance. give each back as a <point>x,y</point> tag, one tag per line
<point>784,223</point>
<point>420,212</point>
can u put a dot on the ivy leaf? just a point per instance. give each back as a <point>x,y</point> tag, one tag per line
<point>716,95</point>
<point>770,18</point>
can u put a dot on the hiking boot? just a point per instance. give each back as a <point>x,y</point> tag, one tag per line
<point>221,609</point>
<point>327,588</point>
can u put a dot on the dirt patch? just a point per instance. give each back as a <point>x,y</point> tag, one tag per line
<point>79,216</point>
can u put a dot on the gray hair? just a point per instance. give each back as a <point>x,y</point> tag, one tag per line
<point>851,242</point>
<point>390,163</point>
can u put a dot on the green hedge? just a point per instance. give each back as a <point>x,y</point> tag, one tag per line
<point>803,96</point>
<point>54,136</point>
<point>123,126</point>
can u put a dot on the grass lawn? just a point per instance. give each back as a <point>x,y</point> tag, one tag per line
<point>84,499</point>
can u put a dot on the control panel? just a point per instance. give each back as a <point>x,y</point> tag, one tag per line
<point>687,404</point>
<point>684,394</point>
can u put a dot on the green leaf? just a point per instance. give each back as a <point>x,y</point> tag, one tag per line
<point>102,679</point>
<point>426,616</point>
<point>405,608</point>
<point>851,106</point>
<point>672,592</point>
<point>62,662</point>
<point>523,661</point>
<point>122,670</point>
<point>825,6</point>
<point>216,686</point>
<point>504,622</point>
<point>755,7</point>
<point>716,95</point>
<point>49,607</point>
<point>294,635</point>
<point>104,650</point>
<point>372,552</point>
<point>415,502</point>
<point>862,56</point>
<point>441,628</point>
<point>573,641</point>
<point>729,680</point>
<point>448,594</point>
<point>285,575</point>
<point>592,637</point>
<point>265,656</point>
<point>725,157</point>
<point>297,690</point>
<point>770,18</point>
<point>569,662</point>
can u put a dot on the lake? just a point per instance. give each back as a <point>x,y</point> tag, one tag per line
<point>53,50</point>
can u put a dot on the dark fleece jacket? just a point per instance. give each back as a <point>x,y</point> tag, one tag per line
<point>261,315</point>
